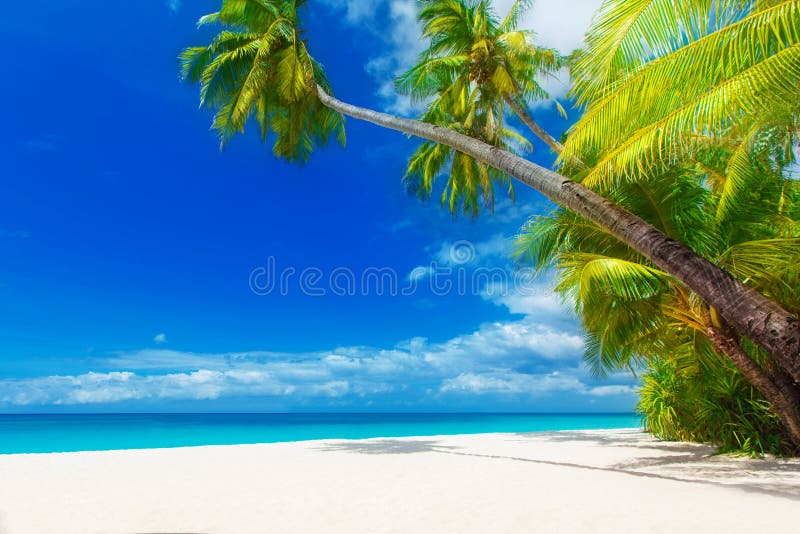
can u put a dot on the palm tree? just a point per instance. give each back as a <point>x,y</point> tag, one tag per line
<point>471,47</point>
<point>475,66</point>
<point>468,180</point>
<point>271,83</point>
<point>635,314</point>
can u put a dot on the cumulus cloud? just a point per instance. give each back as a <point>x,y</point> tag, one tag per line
<point>511,383</point>
<point>607,391</point>
<point>557,24</point>
<point>480,258</point>
<point>160,339</point>
<point>95,388</point>
<point>515,340</point>
<point>533,300</point>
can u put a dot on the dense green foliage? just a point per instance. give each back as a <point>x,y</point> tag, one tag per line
<point>691,116</point>
<point>637,317</point>
<point>711,402</point>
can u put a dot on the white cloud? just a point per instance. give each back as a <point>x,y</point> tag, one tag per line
<point>606,391</point>
<point>172,359</point>
<point>510,383</point>
<point>556,85</point>
<point>356,11</point>
<point>335,377</point>
<point>173,5</point>
<point>533,300</point>
<point>160,339</point>
<point>503,341</point>
<point>492,273</point>
<point>94,388</point>
<point>557,24</point>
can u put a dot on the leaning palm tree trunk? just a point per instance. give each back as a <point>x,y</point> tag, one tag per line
<point>789,388</point>
<point>532,125</point>
<point>785,404</point>
<point>747,311</point>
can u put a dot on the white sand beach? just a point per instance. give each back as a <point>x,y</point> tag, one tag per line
<point>587,481</point>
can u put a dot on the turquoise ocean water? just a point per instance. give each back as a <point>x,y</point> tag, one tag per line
<point>68,433</point>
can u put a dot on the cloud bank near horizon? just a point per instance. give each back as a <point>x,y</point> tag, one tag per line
<point>524,359</point>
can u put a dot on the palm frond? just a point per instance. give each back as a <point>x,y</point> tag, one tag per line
<point>663,111</point>
<point>515,13</point>
<point>770,265</point>
<point>258,67</point>
<point>626,34</point>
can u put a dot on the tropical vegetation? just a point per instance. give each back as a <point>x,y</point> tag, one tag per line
<point>691,117</point>
<point>701,382</point>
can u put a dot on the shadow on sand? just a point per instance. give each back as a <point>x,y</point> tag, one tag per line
<point>387,446</point>
<point>680,462</point>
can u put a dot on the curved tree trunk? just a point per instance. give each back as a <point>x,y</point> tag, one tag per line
<point>747,311</point>
<point>789,388</point>
<point>784,404</point>
<point>525,117</point>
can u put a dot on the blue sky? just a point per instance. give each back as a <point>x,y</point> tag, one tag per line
<point>130,243</point>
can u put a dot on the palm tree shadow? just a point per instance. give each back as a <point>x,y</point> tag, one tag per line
<point>687,463</point>
<point>772,476</point>
<point>386,446</point>
<point>629,439</point>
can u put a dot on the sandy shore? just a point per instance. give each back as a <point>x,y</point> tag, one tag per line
<point>590,481</point>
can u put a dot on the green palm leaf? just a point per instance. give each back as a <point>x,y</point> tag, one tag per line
<point>664,111</point>
<point>258,68</point>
